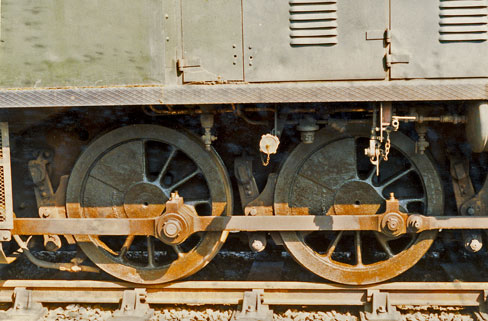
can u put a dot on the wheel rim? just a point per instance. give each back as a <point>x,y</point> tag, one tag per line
<point>130,172</point>
<point>325,178</point>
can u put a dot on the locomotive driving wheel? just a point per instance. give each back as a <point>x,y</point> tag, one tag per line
<point>333,177</point>
<point>131,172</point>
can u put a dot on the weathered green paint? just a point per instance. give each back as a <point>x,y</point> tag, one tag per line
<point>57,43</point>
<point>270,56</point>
<point>416,26</point>
<point>172,38</point>
<point>212,40</point>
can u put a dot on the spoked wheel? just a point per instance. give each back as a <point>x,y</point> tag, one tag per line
<point>130,173</point>
<point>333,177</point>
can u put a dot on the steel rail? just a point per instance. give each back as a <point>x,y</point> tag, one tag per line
<point>231,293</point>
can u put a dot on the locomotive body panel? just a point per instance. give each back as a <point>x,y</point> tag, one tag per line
<point>52,43</point>
<point>212,40</point>
<point>439,39</point>
<point>293,41</point>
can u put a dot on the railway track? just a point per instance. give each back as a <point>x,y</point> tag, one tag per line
<point>253,300</point>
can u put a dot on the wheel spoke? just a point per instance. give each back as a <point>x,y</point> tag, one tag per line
<point>150,252</point>
<point>165,167</point>
<point>384,245</point>
<point>371,174</point>
<point>128,242</point>
<point>394,178</point>
<point>333,245</point>
<point>404,202</point>
<point>198,202</point>
<point>144,158</point>
<point>183,180</point>
<point>355,157</point>
<point>358,245</point>
<point>178,251</point>
<point>114,171</point>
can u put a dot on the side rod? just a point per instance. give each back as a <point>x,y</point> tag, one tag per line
<point>147,226</point>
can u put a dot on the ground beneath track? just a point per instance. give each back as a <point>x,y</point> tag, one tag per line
<point>75,312</point>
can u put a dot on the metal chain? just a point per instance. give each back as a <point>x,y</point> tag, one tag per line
<point>387,146</point>
<point>266,163</point>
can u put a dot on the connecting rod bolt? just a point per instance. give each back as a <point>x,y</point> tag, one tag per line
<point>414,222</point>
<point>475,245</point>
<point>392,223</point>
<point>253,211</point>
<point>258,245</point>
<point>473,241</point>
<point>171,229</point>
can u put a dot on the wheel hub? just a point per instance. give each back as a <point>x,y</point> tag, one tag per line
<point>144,200</point>
<point>357,197</point>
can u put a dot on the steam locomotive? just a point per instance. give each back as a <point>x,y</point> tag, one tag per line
<point>144,132</point>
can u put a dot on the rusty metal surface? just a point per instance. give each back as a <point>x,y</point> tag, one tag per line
<point>413,223</point>
<point>131,172</point>
<point>328,178</point>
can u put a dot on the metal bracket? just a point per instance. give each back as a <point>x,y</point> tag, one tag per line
<point>379,308</point>
<point>263,204</point>
<point>397,59</point>
<point>376,34</point>
<point>133,307</point>
<point>4,259</point>
<point>248,189</point>
<point>253,308</point>
<point>468,202</point>
<point>24,307</point>
<point>51,204</point>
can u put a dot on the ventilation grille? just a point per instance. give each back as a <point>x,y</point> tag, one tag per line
<point>313,22</point>
<point>463,20</point>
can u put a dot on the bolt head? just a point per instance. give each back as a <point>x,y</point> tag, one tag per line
<point>257,245</point>
<point>307,137</point>
<point>171,229</point>
<point>393,223</point>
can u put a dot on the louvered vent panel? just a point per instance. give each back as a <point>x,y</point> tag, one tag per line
<point>463,20</point>
<point>313,22</point>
